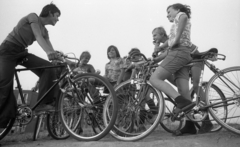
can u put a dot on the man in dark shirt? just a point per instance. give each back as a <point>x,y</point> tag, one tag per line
<point>13,50</point>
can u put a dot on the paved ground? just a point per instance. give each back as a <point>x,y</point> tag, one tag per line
<point>158,138</point>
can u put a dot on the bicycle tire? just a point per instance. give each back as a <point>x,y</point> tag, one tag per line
<point>228,82</point>
<point>135,116</point>
<point>4,131</point>
<point>55,128</point>
<point>216,127</point>
<point>81,99</point>
<point>54,125</point>
<point>170,126</point>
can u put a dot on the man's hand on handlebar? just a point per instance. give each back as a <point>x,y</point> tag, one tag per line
<point>54,56</point>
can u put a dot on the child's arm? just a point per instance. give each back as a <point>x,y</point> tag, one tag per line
<point>120,76</point>
<point>160,57</point>
<point>162,47</point>
<point>92,70</point>
<point>181,25</point>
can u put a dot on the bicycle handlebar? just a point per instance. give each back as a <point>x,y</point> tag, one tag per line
<point>65,56</point>
<point>221,58</point>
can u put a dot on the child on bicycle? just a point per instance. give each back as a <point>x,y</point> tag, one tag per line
<point>178,55</point>
<point>159,36</point>
<point>13,50</point>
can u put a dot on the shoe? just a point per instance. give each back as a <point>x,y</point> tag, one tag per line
<point>206,127</point>
<point>189,128</point>
<point>79,130</point>
<point>152,119</point>
<point>44,107</point>
<point>183,104</point>
<point>141,128</point>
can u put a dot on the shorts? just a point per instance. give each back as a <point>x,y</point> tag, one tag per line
<point>184,72</point>
<point>175,61</point>
<point>197,64</point>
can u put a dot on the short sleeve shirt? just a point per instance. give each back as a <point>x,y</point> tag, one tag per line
<point>113,69</point>
<point>22,33</point>
<point>185,39</point>
<point>88,68</point>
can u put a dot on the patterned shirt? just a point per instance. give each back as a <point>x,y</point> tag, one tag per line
<point>88,68</point>
<point>113,69</point>
<point>185,37</point>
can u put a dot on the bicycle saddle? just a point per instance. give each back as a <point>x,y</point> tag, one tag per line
<point>202,55</point>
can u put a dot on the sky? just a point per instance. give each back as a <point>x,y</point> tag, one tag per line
<point>94,25</point>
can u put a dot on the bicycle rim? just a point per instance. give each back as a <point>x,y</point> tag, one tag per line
<point>216,92</point>
<point>82,117</point>
<point>133,117</point>
<point>4,131</point>
<point>167,122</point>
<point>228,81</point>
<point>55,128</point>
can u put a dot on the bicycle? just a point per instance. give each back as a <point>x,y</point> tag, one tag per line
<point>75,101</point>
<point>54,127</point>
<point>197,115</point>
<point>135,110</point>
<point>129,136</point>
<point>223,106</point>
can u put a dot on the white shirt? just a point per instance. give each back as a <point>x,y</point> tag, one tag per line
<point>185,37</point>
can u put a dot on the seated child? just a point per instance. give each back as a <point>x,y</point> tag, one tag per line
<point>83,66</point>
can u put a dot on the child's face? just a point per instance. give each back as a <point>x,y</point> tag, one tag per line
<point>157,37</point>
<point>85,59</point>
<point>171,13</point>
<point>112,53</point>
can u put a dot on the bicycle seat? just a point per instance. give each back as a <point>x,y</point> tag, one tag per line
<point>202,55</point>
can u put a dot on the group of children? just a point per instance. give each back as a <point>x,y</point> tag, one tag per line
<point>176,47</point>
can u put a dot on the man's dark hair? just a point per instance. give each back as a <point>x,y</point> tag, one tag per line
<point>50,8</point>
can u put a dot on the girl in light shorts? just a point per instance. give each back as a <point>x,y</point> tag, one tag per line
<point>179,49</point>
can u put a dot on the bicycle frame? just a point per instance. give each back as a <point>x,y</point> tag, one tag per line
<point>44,96</point>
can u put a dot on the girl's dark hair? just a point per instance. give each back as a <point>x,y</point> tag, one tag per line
<point>116,50</point>
<point>50,8</point>
<point>182,8</point>
<point>84,53</point>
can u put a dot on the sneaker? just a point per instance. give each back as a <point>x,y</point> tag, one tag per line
<point>141,128</point>
<point>183,104</point>
<point>189,128</point>
<point>44,107</point>
<point>153,118</point>
<point>206,127</point>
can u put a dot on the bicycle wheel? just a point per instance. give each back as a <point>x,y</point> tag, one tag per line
<point>82,117</point>
<point>4,131</point>
<point>167,123</point>
<point>55,128</point>
<point>217,93</point>
<point>228,81</point>
<point>137,106</point>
